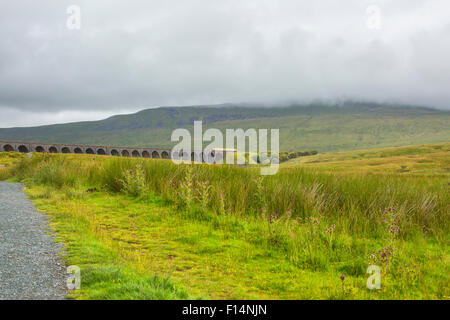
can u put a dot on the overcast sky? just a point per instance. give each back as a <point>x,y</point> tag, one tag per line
<point>130,55</point>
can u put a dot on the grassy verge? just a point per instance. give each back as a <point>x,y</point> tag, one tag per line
<point>107,271</point>
<point>6,159</point>
<point>225,232</point>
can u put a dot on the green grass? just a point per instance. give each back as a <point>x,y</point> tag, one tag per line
<point>225,232</point>
<point>105,269</point>
<point>6,159</point>
<point>432,159</point>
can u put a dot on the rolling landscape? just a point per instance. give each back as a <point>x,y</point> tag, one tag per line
<point>242,159</point>
<point>320,127</point>
<point>151,229</point>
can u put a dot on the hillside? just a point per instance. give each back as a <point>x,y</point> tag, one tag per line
<point>430,159</point>
<point>319,127</point>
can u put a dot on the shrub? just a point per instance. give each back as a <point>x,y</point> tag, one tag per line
<point>133,182</point>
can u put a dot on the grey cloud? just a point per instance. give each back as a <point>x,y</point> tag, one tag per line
<point>131,54</point>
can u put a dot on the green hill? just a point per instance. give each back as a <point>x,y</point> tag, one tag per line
<point>318,127</point>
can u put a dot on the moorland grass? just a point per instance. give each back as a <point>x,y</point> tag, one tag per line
<point>226,232</point>
<point>6,159</point>
<point>431,159</point>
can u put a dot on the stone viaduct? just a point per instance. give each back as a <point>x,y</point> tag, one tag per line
<point>26,147</point>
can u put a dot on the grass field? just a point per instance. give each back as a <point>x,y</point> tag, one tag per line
<point>150,229</point>
<point>432,159</point>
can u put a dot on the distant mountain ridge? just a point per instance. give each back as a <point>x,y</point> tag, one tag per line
<point>322,127</point>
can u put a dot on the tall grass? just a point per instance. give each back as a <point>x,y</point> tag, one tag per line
<point>319,221</point>
<point>356,203</point>
<point>6,159</point>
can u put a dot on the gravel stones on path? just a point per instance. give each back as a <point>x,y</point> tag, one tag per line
<point>30,267</point>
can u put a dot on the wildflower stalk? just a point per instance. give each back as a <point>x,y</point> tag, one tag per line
<point>222,210</point>
<point>342,277</point>
<point>204,194</point>
<point>186,193</point>
<point>260,196</point>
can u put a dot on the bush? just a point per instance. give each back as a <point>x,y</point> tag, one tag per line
<point>133,182</point>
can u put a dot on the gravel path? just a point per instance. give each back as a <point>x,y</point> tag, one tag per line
<point>30,267</point>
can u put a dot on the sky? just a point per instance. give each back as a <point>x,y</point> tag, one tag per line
<point>60,63</point>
